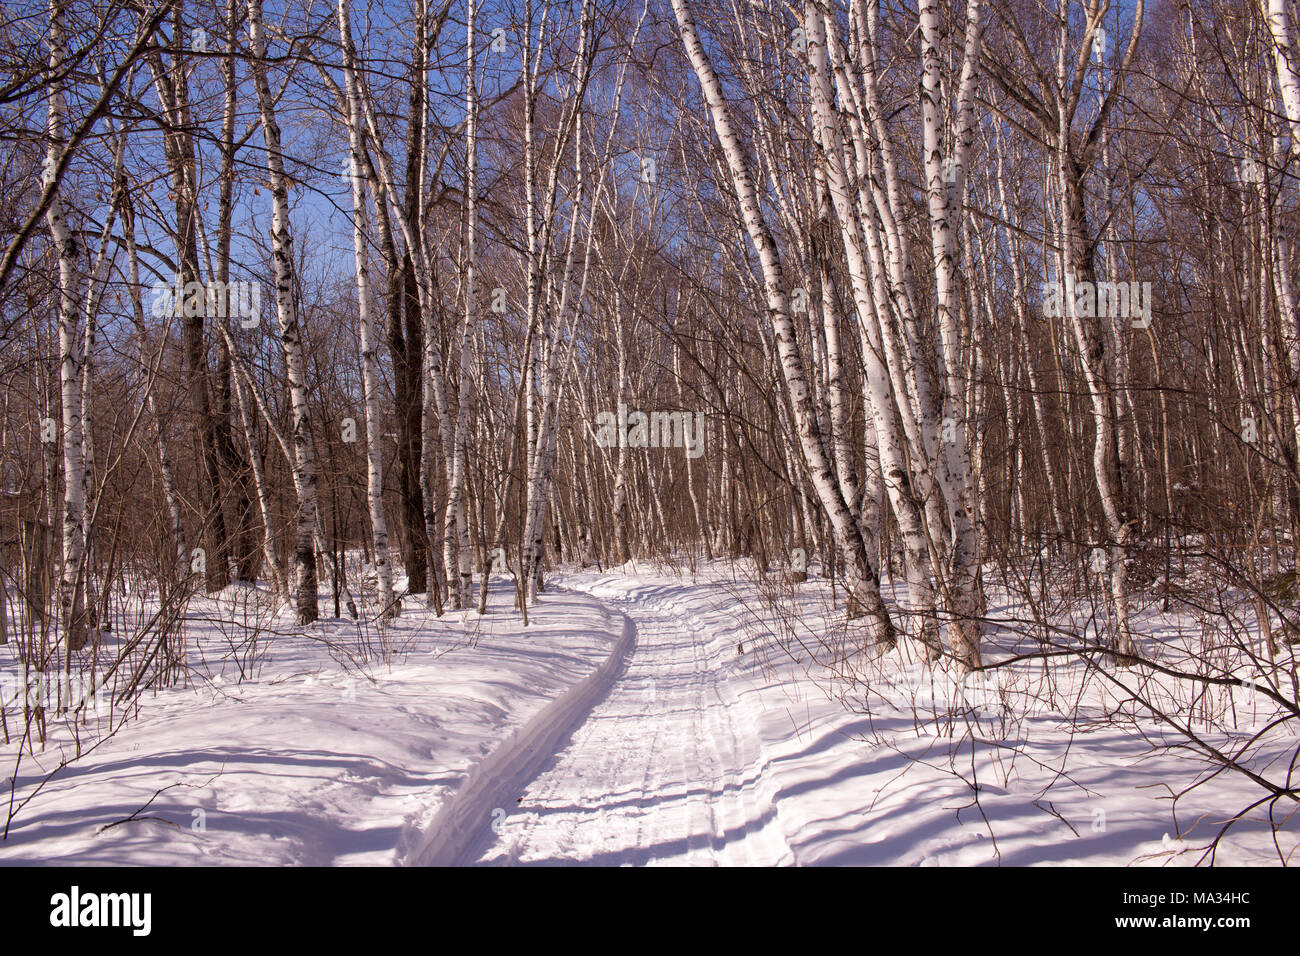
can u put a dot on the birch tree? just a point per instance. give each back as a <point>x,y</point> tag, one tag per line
<point>458,553</point>
<point>862,586</point>
<point>71,358</point>
<point>1053,106</point>
<point>304,460</point>
<point>366,333</point>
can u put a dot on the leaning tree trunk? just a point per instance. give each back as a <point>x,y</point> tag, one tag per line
<point>863,587</point>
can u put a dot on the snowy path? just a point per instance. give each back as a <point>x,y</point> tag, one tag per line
<point>304,761</point>
<point>621,726</point>
<point>659,772</point>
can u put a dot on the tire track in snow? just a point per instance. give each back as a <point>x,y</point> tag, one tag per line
<point>494,781</point>
<point>657,773</point>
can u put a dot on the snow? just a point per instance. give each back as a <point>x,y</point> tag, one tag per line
<point>644,717</point>
<point>704,755</point>
<point>315,761</point>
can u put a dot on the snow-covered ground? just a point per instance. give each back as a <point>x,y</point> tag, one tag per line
<point>644,717</point>
<point>719,746</point>
<point>314,761</point>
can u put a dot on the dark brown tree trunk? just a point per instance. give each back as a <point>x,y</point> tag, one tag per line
<point>406,348</point>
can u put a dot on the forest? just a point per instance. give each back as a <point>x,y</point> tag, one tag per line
<point>940,343</point>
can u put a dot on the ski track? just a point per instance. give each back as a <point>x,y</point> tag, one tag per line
<point>658,772</point>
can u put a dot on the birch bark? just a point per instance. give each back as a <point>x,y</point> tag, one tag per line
<point>862,586</point>
<point>304,459</point>
<point>370,385</point>
<point>71,359</point>
<point>458,553</point>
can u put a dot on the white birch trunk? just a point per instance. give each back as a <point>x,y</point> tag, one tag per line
<point>872,300</point>
<point>304,461</point>
<point>1097,365</point>
<point>862,587</point>
<point>1287,65</point>
<point>389,608</point>
<point>945,205</point>
<point>457,527</point>
<point>71,359</point>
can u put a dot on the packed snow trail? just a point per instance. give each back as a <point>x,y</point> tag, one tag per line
<point>623,725</point>
<point>657,773</point>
